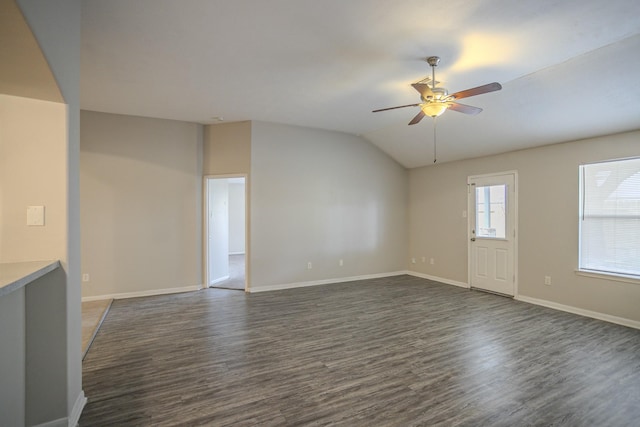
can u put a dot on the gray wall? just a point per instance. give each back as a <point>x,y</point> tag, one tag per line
<point>547,226</point>
<point>141,188</point>
<point>320,196</point>
<point>13,359</point>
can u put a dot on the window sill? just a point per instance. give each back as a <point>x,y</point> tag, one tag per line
<point>608,276</point>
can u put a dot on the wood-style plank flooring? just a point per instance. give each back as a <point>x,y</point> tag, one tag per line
<point>400,351</point>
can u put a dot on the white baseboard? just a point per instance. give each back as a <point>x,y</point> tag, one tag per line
<point>549,304</point>
<point>148,293</point>
<point>221,279</point>
<point>60,422</point>
<point>439,279</point>
<point>74,417</point>
<point>580,311</point>
<point>323,282</point>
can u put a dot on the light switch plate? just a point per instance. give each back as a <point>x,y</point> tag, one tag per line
<point>35,215</point>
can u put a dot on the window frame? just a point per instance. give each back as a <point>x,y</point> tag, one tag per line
<point>611,275</point>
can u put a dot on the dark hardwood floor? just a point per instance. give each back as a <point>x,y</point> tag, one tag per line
<point>399,351</point>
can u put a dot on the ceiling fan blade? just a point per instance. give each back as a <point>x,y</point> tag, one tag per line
<point>417,118</point>
<point>466,109</point>
<point>491,87</point>
<point>423,89</point>
<point>393,108</point>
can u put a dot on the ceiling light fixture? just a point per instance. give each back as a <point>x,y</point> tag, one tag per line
<point>436,100</point>
<point>434,108</point>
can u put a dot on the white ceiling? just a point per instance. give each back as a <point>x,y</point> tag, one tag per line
<point>569,68</point>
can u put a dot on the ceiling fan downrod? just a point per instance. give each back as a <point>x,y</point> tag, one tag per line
<point>433,62</point>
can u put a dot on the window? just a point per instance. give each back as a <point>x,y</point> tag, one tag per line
<point>491,211</point>
<point>610,217</point>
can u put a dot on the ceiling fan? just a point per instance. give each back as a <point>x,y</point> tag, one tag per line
<point>435,100</point>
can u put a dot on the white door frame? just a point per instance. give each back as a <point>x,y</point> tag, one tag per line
<point>471,224</point>
<point>205,227</point>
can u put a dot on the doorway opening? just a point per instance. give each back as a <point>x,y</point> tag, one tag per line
<point>493,244</point>
<point>225,232</point>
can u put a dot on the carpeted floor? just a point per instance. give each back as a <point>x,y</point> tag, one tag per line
<point>236,278</point>
<point>93,313</point>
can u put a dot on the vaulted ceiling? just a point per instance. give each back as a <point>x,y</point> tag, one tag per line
<point>569,68</point>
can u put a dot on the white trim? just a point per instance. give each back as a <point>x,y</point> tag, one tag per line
<point>608,276</point>
<point>236,253</point>
<point>205,225</point>
<point>74,418</point>
<point>580,311</point>
<point>516,236</point>
<point>439,279</point>
<point>490,175</point>
<point>148,293</point>
<point>324,282</point>
<point>60,422</point>
<point>227,176</point>
<point>218,280</point>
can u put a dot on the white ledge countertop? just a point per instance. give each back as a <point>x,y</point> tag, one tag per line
<point>15,275</point>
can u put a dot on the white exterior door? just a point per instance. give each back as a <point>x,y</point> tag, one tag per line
<point>492,232</point>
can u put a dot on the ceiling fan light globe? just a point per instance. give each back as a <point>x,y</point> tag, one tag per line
<point>434,109</point>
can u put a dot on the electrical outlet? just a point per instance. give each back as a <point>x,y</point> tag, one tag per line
<point>85,277</point>
<point>413,260</point>
<point>309,265</point>
<point>547,280</point>
<point>341,263</point>
<point>432,261</point>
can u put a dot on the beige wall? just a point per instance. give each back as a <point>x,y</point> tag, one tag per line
<point>33,171</point>
<point>141,183</point>
<point>227,149</point>
<point>547,226</point>
<point>24,71</point>
<point>320,196</point>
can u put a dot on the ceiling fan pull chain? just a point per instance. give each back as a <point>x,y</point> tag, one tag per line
<point>434,140</point>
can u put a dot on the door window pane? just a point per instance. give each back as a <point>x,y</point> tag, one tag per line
<point>491,211</point>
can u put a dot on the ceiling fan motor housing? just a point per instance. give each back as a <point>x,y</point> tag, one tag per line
<point>439,94</point>
<point>433,60</point>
